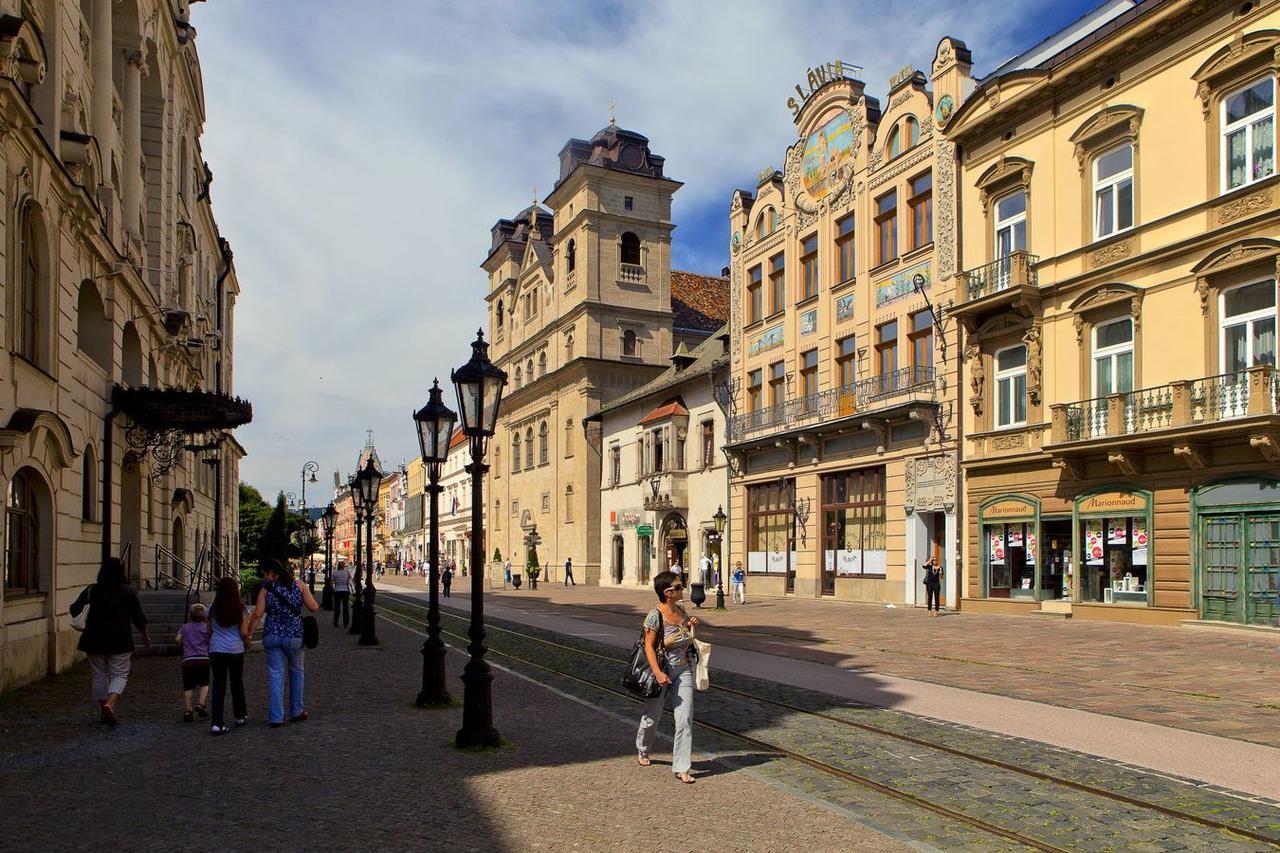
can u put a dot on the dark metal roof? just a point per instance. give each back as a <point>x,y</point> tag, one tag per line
<point>173,408</point>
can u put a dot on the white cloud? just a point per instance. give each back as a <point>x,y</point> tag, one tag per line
<point>360,160</point>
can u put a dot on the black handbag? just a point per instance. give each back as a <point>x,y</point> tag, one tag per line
<point>638,678</point>
<point>310,627</point>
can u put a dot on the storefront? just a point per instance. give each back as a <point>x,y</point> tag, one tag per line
<point>771,531</point>
<point>853,526</point>
<point>1009,528</point>
<point>1237,526</point>
<point>1115,544</point>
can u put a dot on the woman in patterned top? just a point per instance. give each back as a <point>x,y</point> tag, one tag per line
<point>668,636</point>
<point>280,599</point>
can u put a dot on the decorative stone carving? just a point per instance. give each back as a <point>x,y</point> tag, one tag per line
<point>1110,254</point>
<point>1009,441</point>
<point>902,164</point>
<point>977,377</point>
<point>944,175</point>
<point>1034,364</point>
<point>899,99</point>
<point>880,430</point>
<point>1072,468</point>
<point>1078,322</point>
<point>931,484</point>
<point>1202,289</point>
<point>1245,205</point>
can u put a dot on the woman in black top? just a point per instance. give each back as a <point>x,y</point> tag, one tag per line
<point>932,585</point>
<point>108,636</point>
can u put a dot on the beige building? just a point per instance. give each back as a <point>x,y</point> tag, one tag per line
<point>455,504</point>
<point>842,438</point>
<point>118,300</point>
<point>1120,243</point>
<point>664,474</point>
<point>580,311</point>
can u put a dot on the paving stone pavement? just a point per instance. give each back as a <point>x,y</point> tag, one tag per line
<point>371,771</point>
<point>1219,682</point>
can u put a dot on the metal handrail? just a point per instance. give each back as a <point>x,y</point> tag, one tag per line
<point>1014,269</point>
<point>1209,399</point>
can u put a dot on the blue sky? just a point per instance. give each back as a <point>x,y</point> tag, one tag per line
<point>360,160</point>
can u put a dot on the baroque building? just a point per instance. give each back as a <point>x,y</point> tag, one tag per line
<point>842,435</point>
<point>117,317</point>
<point>1121,241</point>
<point>583,307</point>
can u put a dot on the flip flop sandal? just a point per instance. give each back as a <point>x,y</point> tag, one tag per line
<point>187,716</point>
<point>643,760</point>
<point>685,778</point>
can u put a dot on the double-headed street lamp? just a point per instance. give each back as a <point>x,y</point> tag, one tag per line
<point>479,383</point>
<point>435,423</point>
<point>720,519</point>
<point>328,521</point>
<point>367,481</point>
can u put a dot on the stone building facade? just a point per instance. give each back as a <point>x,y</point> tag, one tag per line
<point>580,310</point>
<point>117,316</point>
<point>1120,244</point>
<point>843,431</point>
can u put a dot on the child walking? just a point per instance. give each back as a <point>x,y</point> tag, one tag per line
<point>193,642</point>
<point>228,637</point>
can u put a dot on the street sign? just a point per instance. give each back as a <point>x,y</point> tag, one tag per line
<point>644,530</point>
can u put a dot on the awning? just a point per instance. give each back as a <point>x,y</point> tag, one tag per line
<point>177,409</point>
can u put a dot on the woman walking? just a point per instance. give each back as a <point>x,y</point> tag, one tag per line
<point>668,642</point>
<point>228,636</point>
<point>281,599</point>
<point>108,639</point>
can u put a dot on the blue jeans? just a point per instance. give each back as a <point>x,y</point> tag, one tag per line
<point>279,650</point>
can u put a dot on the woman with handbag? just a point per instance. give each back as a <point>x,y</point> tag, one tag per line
<point>107,639</point>
<point>281,598</point>
<point>228,636</point>
<point>668,640</point>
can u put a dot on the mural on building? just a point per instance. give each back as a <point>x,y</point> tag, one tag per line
<point>828,155</point>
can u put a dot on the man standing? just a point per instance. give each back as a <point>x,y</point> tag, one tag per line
<point>568,572</point>
<point>739,584</point>
<point>341,594</point>
<point>446,578</point>
<point>704,569</point>
<point>506,573</point>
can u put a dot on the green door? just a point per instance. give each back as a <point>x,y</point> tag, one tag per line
<point>1262,604</point>
<point>1220,571</point>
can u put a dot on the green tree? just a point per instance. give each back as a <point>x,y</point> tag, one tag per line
<point>254,514</point>
<point>274,544</point>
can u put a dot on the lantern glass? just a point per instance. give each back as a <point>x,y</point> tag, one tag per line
<point>329,520</point>
<point>479,384</point>
<point>720,518</point>
<point>367,482</point>
<point>435,423</point>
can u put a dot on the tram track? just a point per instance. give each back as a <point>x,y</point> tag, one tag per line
<point>1270,839</point>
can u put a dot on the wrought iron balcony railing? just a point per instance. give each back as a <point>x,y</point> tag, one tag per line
<point>1014,270</point>
<point>856,398</point>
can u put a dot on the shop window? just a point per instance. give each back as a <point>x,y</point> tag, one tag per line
<point>1249,134</point>
<point>777,383</point>
<point>921,340</point>
<point>777,284</point>
<point>887,227</point>
<point>809,266</point>
<point>1011,387</point>
<point>755,384</point>
<point>1113,357</point>
<point>1113,192</point>
<point>1011,559</point>
<point>1115,565</point>
<point>629,249</point>
<point>921,206</point>
<point>845,247</point>
<point>853,526</point>
<point>771,529</point>
<point>755,294</point>
<point>846,361</point>
<point>1011,224</point>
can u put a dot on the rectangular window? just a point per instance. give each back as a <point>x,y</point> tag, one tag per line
<point>1011,387</point>
<point>1011,224</point>
<point>887,353</point>
<point>659,450</point>
<point>844,247</point>
<point>921,204</point>
<point>1247,336</point>
<point>1113,192</point>
<point>809,266</point>
<point>771,529</point>
<point>755,294</point>
<point>921,338</point>
<point>809,380</point>
<point>887,227</point>
<point>777,284</point>
<point>846,361</point>
<point>1249,134</point>
<point>853,525</point>
<point>777,383</point>
<point>755,384</point>
<point>628,203</point>
<point>1113,358</point>
<point>708,444</point>
<point>615,465</point>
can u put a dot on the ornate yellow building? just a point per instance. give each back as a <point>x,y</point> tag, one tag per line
<point>843,416</point>
<point>1120,243</point>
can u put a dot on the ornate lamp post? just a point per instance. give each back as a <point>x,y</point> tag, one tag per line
<point>367,482</point>
<point>479,384</point>
<point>720,519</point>
<point>328,521</point>
<point>311,468</point>
<point>357,507</point>
<point>435,423</point>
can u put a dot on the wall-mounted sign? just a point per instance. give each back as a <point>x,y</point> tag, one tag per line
<point>844,307</point>
<point>1114,502</point>
<point>902,284</point>
<point>623,518</point>
<point>828,155</point>
<point>809,322</point>
<point>902,76</point>
<point>1009,508</point>
<point>644,530</point>
<point>767,340</point>
<point>818,77</point>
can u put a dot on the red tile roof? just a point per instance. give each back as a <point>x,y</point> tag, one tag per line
<point>699,301</point>
<point>457,438</point>
<point>672,408</point>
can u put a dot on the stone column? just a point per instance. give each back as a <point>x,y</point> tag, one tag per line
<point>104,128</point>
<point>132,97</point>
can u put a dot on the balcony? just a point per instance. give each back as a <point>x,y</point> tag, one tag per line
<point>1187,409</point>
<point>866,396</point>
<point>996,285</point>
<point>631,273</point>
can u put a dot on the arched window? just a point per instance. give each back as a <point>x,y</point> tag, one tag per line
<point>497,515</point>
<point>30,337</point>
<point>568,503</point>
<point>773,219</point>
<point>570,257</point>
<point>568,346</point>
<point>528,447</point>
<point>519,377</point>
<point>629,342</point>
<point>528,370</point>
<point>568,436</point>
<point>894,146</point>
<point>543,454</point>
<point>93,332</point>
<point>131,356</point>
<point>629,249</point>
<point>89,484</point>
<point>542,363</point>
<point>27,532</point>
<point>501,314</point>
<point>515,453</point>
<point>913,132</point>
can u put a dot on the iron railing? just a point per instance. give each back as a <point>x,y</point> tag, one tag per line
<point>1013,270</point>
<point>854,398</point>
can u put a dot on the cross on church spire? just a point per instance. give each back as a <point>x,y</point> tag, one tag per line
<point>368,437</point>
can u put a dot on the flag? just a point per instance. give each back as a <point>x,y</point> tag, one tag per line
<point>454,509</point>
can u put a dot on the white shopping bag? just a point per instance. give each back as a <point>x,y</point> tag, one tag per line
<point>701,675</point>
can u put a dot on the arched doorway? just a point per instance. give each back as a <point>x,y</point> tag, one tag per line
<point>618,554</point>
<point>674,543</point>
<point>176,545</point>
<point>131,519</point>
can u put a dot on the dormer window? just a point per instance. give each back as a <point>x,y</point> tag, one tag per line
<point>629,249</point>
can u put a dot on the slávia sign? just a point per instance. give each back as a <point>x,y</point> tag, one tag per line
<point>818,77</point>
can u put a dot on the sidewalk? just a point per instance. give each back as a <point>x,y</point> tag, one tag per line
<point>371,771</point>
<point>1220,682</point>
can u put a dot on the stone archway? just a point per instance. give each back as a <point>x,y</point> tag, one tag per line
<point>673,543</point>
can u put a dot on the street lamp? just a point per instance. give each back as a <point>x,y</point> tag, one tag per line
<point>435,423</point>
<point>311,468</point>
<point>479,383</point>
<point>357,509</point>
<point>367,482</point>
<point>720,519</point>
<point>328,521</point>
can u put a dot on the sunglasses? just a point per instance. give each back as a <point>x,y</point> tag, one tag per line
<point>675,587</point>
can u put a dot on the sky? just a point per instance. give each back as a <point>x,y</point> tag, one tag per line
<point>360,160</point>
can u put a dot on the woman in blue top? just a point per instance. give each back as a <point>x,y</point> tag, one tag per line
<point>281,598</point>
<point>228,635</point>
